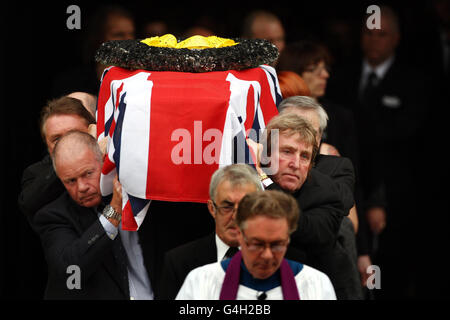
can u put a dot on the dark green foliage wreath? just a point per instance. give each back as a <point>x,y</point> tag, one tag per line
<point>133,55</point>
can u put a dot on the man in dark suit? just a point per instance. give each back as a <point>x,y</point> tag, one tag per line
<point>340,169</point>
<point>311,60</point>
<point>79,236</point>
<point>390,106</point>
<point>288,166</point>
<point>227,187</point>
<point>40,185</point>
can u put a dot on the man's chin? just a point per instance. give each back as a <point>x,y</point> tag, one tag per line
<point>232,236</point>
<point>264,273</point>
<point>290,187</point>
<point>90,202</point>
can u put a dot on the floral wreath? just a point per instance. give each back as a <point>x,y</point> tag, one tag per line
<point>195,54</point>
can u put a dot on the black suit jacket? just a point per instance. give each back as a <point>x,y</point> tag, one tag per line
<point>341,170</point>
<point>345,275</point>
<point>387,132</point>
<point>321,214</point>
<point>40,186</point>
<point>179,261</point>
<point>320,218</point>
<point>73,235</point>
<point>388,128</point>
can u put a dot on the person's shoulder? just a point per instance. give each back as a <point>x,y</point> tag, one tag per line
<point>312,273</point>
<point>314,284</point>
<point>207,270</point>
<point>319,188</point>
<point>295,266</point>
<point>201,283</point>
<point>192,246</point>
<point>59,207</point>
<point>316,178</point>
<point>402,71</point>
<point>332,162</point>
<point>316,185</point>
<point>37,167</point>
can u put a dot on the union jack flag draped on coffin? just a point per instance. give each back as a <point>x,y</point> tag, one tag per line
<point>169,131</point>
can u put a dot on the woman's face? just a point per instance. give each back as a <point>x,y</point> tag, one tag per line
<point>316,77</point>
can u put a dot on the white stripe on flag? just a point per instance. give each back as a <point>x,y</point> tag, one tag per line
<point>106,180</point>
<point>271,75</point>
<point>231,128</point>
<point>238,100</point>
<point>136,134</point>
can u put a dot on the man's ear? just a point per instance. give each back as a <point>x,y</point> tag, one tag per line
<point>211,209</point>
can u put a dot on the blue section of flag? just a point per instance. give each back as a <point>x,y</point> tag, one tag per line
<point>278,97</point>
<point>137,204</point>
<point>117,137</point>
<point>256,126</point>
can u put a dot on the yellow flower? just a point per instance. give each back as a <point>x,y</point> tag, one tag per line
<point>166,41</point>
<point>194,42</point>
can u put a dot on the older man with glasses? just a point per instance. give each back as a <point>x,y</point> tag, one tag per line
<point>227,187</point>
<point>259,271</point>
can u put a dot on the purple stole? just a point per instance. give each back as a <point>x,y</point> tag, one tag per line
<point>231,282</point>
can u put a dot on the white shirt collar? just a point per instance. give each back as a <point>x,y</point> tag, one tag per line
<point>379,70</point>
<point>222,248</point>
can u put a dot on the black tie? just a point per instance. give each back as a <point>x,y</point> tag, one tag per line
<point>369,89</point>
<point>230,253</point>
<point>122,261</point>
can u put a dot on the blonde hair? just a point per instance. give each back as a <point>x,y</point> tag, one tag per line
<point>289,124</point>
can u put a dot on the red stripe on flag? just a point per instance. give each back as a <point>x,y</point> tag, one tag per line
<point>113,123</point>
<point>128,221</point>
<point>250,108</point>
<point>115,73</point>
<point>108,166</point>
<point>268,106</point>
<point>178,100</point>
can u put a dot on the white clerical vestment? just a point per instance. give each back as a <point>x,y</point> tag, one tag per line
<point>205,283</point>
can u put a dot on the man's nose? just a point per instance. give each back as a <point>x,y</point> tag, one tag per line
<point>267,253</point>
<point>233,214</point>
<point>295,162</point>
<point>83,186</point>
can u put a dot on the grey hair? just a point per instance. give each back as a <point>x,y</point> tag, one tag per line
<point>75,139</point>
<point>306,103</point>
<point>236,174</point>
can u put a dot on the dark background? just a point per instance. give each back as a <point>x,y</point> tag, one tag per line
<point>36,45</point>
